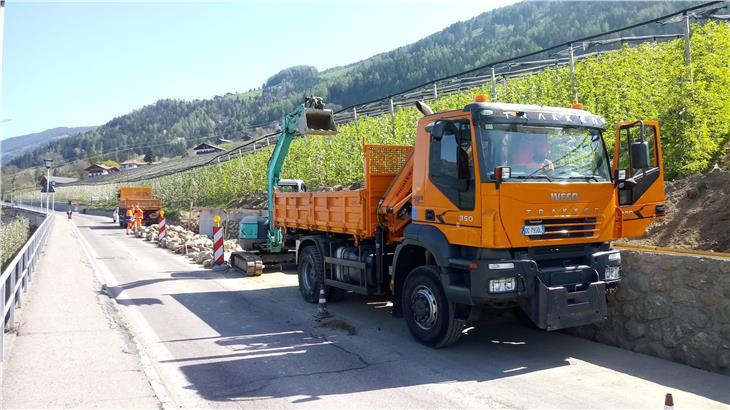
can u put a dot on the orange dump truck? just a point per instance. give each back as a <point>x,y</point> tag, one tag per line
<point>129,197</point>
<point>496,205</point>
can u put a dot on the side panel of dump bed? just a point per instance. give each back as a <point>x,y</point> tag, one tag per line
<point>338,211</point>
<point>348,212</point>
<point>144,203</point>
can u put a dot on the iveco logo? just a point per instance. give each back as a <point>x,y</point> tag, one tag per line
<point>564,196</point>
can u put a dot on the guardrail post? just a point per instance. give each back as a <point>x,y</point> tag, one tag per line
<point>573,81</point>
<point>24,279</point>
<point>687,50</point>
<point>10,318</point>
<point>494,86</point>
<point>18,281</point>
<point>392,115</point>
<point>435,92</point>
<point>2,333</point>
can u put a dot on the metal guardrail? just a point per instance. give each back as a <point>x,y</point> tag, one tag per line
<point>17,276</point>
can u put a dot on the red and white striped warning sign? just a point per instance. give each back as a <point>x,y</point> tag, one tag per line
<point>163,229</point>
<point>218,245</point>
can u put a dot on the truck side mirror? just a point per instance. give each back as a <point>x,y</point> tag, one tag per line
<point>437,131</point>
<point>502,173</point>
<point>639,155</point>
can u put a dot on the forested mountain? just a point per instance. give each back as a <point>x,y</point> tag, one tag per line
<point>12,147</point>
<point>170,127</point>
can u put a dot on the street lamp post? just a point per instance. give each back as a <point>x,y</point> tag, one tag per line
<point>49,164</point>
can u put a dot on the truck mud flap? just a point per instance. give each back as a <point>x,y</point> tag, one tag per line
<point>553,308</point>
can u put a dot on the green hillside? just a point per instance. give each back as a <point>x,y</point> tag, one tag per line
<point>648,82</point>
<point>170,127</point>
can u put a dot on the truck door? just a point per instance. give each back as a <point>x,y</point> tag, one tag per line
<point>451,193</point>
<point>639,175</point>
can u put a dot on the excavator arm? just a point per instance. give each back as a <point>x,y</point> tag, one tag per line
<point>309,118</point>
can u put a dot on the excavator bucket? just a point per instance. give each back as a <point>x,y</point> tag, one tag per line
<point>317,122</point>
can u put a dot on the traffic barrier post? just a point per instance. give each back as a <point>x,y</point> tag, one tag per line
<point>163,228</point>
<point>219,262</point>
<point>322,312</point>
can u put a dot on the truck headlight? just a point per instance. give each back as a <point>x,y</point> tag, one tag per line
<point>612,272</point>
<point>502,285</point>
<point>614,257</point>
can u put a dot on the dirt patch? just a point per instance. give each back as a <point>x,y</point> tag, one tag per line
<point>253,201</point>
<point>697,214</point>
<point>336,324</point>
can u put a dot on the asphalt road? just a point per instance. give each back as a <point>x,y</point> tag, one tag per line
<point>221,340</point>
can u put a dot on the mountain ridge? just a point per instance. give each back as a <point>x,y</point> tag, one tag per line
<point>14,146</point>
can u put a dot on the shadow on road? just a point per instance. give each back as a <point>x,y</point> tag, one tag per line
<point>274,349</point>
<point>114,291</point>
<point>139,301</point>
<point>108,226</point>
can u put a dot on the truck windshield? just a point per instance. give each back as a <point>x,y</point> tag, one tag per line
<point>544,152</point>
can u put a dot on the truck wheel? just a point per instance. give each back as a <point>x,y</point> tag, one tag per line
<point>311,273</point>
<point>428,313</point>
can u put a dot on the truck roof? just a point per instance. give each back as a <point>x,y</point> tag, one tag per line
<point>493,112</point>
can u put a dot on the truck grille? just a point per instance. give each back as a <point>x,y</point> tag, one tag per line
<point>561,228</point>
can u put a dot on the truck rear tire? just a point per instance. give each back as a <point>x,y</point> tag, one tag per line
<point>311,273</point>
<point>428,313</point>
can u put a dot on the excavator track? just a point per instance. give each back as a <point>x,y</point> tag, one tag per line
<point>250,264</point>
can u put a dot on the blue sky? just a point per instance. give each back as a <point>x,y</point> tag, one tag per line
<point>83,63</point>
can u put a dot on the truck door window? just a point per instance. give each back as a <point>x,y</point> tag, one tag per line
<point>643,178</point>
<point>451,164</point>
<point>629,135</point>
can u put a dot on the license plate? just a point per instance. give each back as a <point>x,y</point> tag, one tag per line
<point>529,230</point>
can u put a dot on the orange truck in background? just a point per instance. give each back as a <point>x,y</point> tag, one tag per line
<point>129,197</point>
<point>495,205</point>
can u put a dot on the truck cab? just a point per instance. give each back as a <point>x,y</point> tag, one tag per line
<point>516,205</point>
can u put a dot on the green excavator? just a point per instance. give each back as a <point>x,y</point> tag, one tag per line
<point>262,242</point>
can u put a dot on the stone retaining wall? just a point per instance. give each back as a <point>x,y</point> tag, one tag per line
<point>671,306</point>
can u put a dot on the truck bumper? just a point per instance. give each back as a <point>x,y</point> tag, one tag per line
<point>553,308</point>
<point>553,295</point>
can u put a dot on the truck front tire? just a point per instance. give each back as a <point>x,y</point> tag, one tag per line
<point>428,313</point>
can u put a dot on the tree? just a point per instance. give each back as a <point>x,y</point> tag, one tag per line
<point>111,163</point>
<point>149,157</point>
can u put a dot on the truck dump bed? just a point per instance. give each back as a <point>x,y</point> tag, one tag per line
<point>142,196</point>
<point>347,212</point>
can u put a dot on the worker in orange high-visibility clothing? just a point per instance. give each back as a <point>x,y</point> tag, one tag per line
<point>138,216</point>
<point>130,219</point>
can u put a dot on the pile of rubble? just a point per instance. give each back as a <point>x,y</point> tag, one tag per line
<point>199,248</point>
